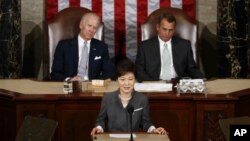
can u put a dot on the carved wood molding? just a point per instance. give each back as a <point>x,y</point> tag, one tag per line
<point>212,130</point>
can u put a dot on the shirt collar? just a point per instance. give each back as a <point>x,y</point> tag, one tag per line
<point>81,40</point>
<point>163,42</point>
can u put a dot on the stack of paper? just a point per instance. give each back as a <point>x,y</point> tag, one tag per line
<point>153,87</point>
<point>121,136</point>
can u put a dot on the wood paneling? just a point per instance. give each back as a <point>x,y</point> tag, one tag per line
<point>186,117</point>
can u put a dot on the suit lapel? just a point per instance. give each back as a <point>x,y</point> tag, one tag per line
<point>157,54</point>
<point>92,54</point>
<point>91,51</point>
<point>157,50</point>
<point>154,49</point>
<point>174,53</point>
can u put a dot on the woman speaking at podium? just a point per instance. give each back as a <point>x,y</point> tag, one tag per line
<point>114,107</point>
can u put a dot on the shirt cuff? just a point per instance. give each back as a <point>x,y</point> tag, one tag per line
<point>151,128</point>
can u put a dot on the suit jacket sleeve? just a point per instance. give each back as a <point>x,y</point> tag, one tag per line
<point>108,68</point>
<point>148,63</point>
<point>193,69</point>
<point>184,63</point>
<point>140,62</point>
<point>146,121</point>
<point>102,117</point>
<point>65,60</point>
<point>57,66</point>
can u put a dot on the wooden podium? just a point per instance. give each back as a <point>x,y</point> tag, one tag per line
<point>139,137</point>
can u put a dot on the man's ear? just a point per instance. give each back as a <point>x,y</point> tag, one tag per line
<point>81,24</point>
<point>157,27</point>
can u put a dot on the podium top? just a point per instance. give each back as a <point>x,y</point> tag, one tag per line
<point>139,137</point>
<point>27,86</point>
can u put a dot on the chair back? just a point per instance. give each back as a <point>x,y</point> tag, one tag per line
<point>65,26</point>
<point>36,129</point>
<point>186,26</point>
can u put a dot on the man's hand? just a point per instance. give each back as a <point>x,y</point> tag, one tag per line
<point>160,130</point>
<point>76,78</point>
<point>95,131</point>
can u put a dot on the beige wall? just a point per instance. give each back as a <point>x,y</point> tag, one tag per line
<point>32,16</point>
<point>32,12</point>
<point>206,14</point>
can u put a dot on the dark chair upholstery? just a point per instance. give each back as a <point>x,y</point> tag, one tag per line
<point>186,26</point>
<point>36,129</point>
<point>66,25</point>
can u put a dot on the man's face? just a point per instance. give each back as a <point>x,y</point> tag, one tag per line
<point>165,30</point>
<point>88,27</point>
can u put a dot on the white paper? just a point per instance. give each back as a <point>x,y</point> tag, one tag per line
<point>156,87</point>
<point>121,136</point>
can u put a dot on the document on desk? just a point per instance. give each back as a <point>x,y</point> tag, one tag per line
<point>121,136</point>
<point>153,87</point>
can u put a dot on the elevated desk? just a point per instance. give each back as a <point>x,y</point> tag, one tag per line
<point>188,117</point>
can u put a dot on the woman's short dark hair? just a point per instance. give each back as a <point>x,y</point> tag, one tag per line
<point>168,16</point>
<point>125,66</point>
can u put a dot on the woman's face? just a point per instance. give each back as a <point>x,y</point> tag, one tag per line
<point>126,83</point>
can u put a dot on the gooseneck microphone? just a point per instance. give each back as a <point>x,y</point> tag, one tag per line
<point>130,109</point>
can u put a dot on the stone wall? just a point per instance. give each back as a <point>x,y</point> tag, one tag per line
<point>10,39</point>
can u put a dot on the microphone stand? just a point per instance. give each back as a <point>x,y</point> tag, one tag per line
<point>130,109</point>
<point>131,134</point>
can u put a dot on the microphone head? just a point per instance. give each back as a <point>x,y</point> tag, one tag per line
<point>130,109</point>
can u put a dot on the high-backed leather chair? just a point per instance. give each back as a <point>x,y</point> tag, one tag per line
<point>186,26</point>
<point>36,129</point>
<point>66,25</point>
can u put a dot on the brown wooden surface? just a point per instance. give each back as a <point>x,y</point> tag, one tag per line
<point>185,117</point>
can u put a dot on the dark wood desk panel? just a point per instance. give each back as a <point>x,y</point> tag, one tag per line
<point>208,114</point>
<point>186,117</point>
<point>7,120</point>
<point>242,105</point>
<point>174,115</point>
<point>77,118</point>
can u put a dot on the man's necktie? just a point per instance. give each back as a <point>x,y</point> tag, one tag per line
<point>166,63</point>
<point>83,66</point>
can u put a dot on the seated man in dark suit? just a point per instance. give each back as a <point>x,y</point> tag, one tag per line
<point>165,57</point>
<point>83,57</point>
